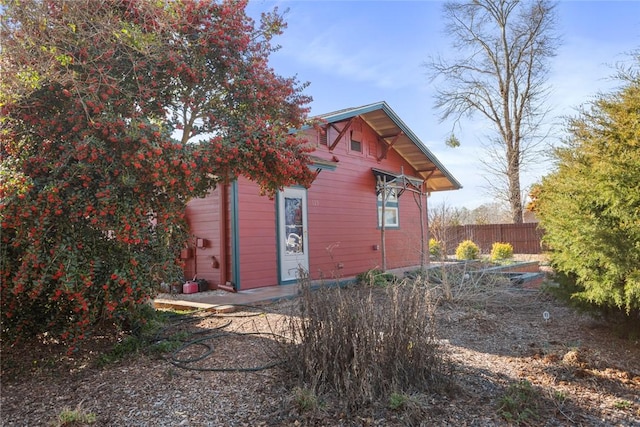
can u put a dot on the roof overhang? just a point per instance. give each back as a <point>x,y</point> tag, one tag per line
<point>393,132</point>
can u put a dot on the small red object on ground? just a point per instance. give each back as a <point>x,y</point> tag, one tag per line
<point>190,287</point>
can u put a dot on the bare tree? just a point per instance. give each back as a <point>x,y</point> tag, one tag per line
<point>441,218</point>
<point>488,213</point>
<point>501,73</point>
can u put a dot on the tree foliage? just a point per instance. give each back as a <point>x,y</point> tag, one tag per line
<point>114,114</point>
<point>534,195</point>
<point>500,73</point>
<point>590,206</point>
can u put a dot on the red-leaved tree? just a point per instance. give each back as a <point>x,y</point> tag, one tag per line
<point>114,114</point>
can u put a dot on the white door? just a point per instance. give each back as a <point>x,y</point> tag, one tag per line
<point>292,227</point>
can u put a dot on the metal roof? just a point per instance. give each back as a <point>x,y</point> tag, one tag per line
<point>389,127</point>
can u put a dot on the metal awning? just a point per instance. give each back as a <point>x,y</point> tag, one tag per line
<point>397,181</point>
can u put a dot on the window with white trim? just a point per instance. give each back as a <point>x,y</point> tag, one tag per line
<point>391,213</point>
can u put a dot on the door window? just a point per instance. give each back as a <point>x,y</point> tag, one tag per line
<point>294,233</point>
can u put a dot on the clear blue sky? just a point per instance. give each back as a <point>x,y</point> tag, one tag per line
<point>357,52</point>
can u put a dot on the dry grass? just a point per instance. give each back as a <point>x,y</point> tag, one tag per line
<point>463,283</point>
<point>363,344</point>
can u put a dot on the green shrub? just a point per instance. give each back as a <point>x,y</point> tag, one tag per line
<point>412,409</point>
<point>305,400</point>
<point>519,404</point>
<point>397,401</point>
<point>623,404</point>
<point>435,248</point>
<point>74,417</point>
<point>588,207</point>
<point>144,335</point>
<point>501,251</point>
<point>129,346</point>
<point>467,250</point>
<point>375,277</point>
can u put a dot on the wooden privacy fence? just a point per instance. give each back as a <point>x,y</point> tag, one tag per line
<point>525,238</point>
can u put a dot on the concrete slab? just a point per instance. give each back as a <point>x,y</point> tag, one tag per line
<point>220,300</point>
<point>209,300</point>
<point>192,305</point>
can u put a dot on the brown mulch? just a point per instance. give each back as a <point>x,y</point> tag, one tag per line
<point>579,371</point>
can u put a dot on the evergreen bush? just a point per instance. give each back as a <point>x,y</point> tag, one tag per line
<point>588,207</point>
<point>501,251</point>
<point>467,250</point>
<point>435,248</point>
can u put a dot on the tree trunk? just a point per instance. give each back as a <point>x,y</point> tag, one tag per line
<point>500,73</point>
<point>515,198</point>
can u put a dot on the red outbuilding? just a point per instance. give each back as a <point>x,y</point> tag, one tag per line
<point>369,166</point>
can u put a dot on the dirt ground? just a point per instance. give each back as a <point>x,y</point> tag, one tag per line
<point>510,364</point>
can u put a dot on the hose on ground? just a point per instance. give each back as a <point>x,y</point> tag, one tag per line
<point>206,342</point>
<point>209,349</point>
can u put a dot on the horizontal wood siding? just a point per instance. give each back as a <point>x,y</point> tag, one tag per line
<point>404,244</point>
<point>204,222</point>
<point>344,239</point>
<point>257,234</point>
<point>342,203</point>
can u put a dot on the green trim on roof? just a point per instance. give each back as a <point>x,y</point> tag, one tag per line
<point>382,105</point>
